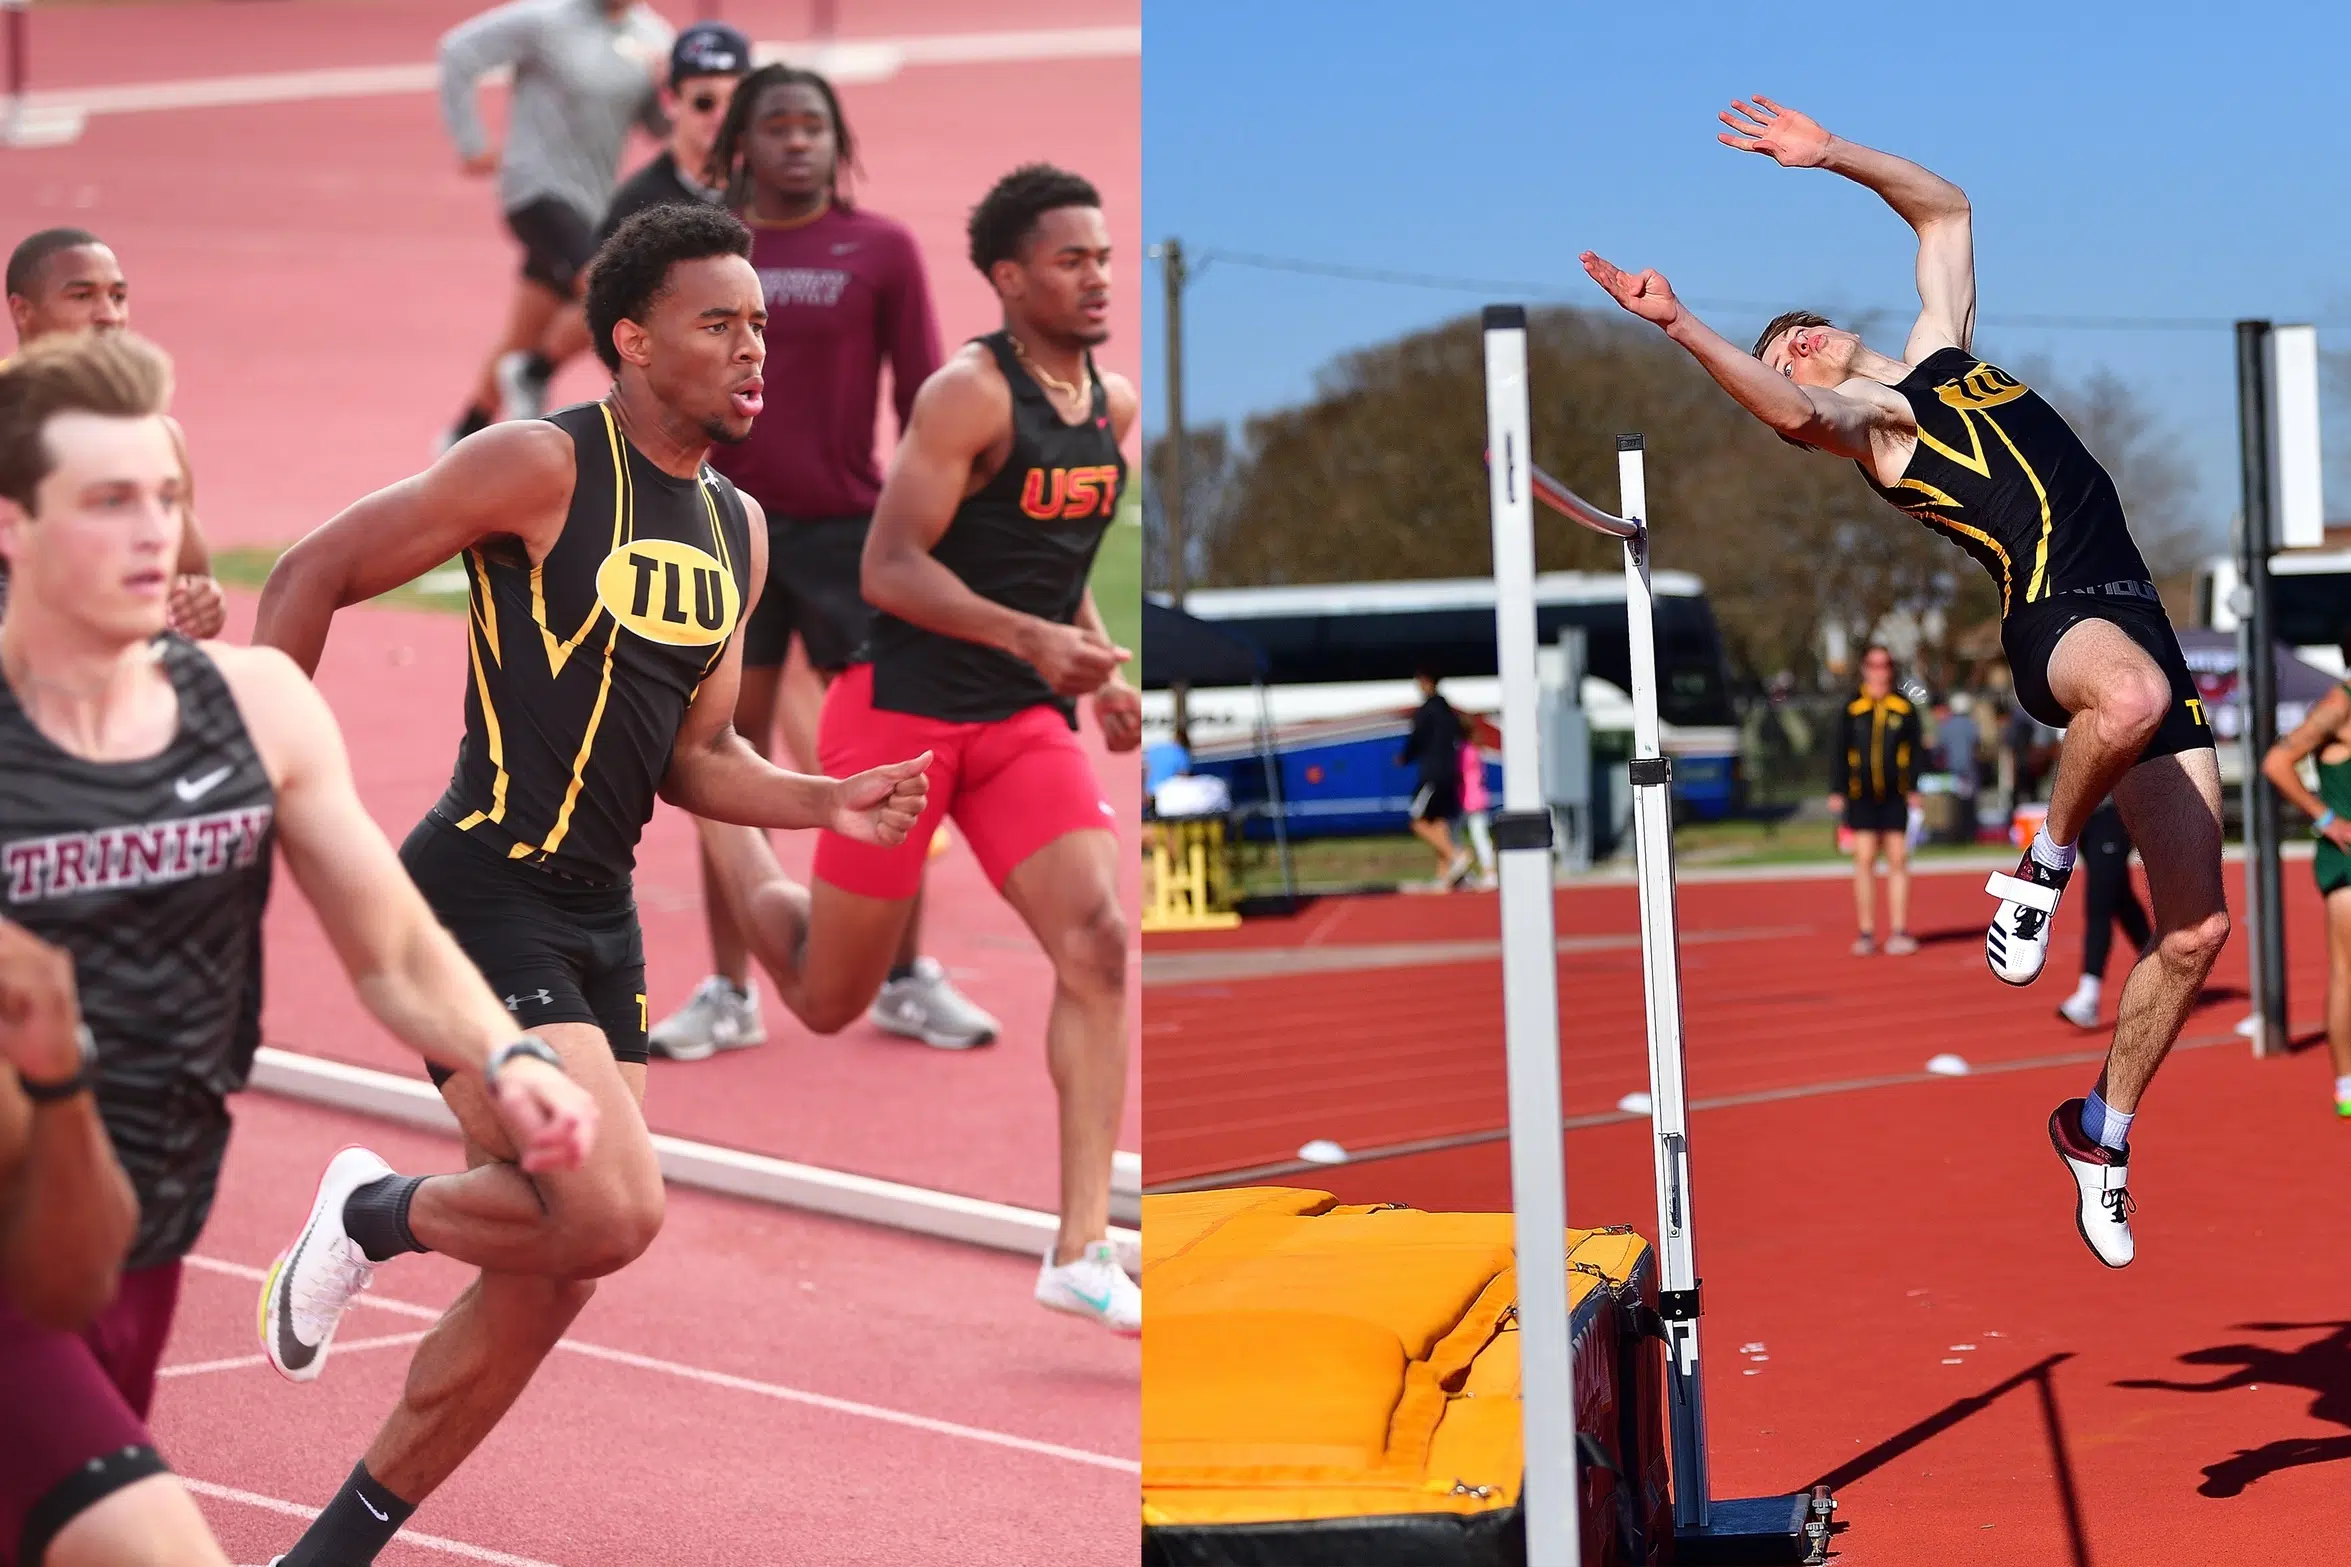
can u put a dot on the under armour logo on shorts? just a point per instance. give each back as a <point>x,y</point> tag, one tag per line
<point>514,1003</point>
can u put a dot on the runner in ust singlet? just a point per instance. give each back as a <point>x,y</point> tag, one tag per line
<point>68,280</point>
<point>846,296</point>
<point>610,568</point>
<point>144,782</point>
<point>984,637</point>
<point>1982,459</point>
<point>2325,736</point>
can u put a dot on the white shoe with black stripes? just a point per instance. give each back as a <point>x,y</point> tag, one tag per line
<point>2016,944</point>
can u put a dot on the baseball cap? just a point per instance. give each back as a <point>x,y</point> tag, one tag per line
<point>709,49</point>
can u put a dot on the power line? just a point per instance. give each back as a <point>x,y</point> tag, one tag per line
<point>1505,287</point>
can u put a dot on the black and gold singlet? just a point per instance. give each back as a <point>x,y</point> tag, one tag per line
<point>1999,473</point>
<point>584,665</point>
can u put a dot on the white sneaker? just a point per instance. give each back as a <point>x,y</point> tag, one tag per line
<point>1094,1286</point>
<point>314,1281</point>
<point>2101,1178</point>
<point>715,1017</point>
<point>926,1006</point>
<point>521,395</point>
<point>2080,1009</point>
<point>2017,943</point>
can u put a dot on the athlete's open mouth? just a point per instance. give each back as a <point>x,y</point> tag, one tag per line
<point>748,398</point>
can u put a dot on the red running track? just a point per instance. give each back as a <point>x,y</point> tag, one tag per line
<point>1896,1298</point>
<point>685,1425</point>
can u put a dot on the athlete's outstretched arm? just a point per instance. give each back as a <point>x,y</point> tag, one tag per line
<point>1936,210</point>
<point>714,773</point>
<point>958,415</point>
<point>407,970</point>
<point>1830,421</point>
<point>67,1211</point>
<point>512,480</point>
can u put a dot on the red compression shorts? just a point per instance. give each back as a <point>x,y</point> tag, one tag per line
<point>1013,786</point>
<point>73,1409</point>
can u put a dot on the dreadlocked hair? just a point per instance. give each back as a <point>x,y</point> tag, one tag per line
<point>729,168</point>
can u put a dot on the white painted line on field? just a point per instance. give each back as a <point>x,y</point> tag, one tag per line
<point>789,1395</point>
<point>428,1542</point>
<point>847,61</point>
<point>975,1221</point>
<point>199,1368</point>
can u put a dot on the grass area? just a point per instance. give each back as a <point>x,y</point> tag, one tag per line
<point>1118,579</point>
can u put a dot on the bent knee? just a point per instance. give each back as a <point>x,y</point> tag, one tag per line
<point>609,1235</point>
<point>2133,707</point>
<point>1091,955</point>
<point>2199,943</point>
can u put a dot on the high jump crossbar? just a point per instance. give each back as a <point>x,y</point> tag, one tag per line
<point>1793,1527</point>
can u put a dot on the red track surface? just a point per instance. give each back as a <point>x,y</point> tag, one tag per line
<point>626,1465</point>
<point>1894,1251</point>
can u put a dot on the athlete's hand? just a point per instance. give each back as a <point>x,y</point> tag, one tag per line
<point>551,1119</point>
<point>1791,139</point>
<point>39,1008</point>
<point>1073,663</point>
<point>482,162</point>
<point>879,805</point>
<point>2338,833</point>
<point>198,608</point>
<point>1837,807</point>
<point>1646,294</point>
<point>1118,708</point>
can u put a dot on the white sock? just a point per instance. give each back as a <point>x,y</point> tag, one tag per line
<point>2343,1090</point>
<point>2057,856</point>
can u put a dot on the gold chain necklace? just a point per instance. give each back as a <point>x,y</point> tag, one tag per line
<point>1053,383</point>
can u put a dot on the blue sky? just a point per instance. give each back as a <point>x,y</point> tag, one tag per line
<point>2150,160</point>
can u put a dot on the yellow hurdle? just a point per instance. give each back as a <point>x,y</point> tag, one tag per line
<point>1188,888</point>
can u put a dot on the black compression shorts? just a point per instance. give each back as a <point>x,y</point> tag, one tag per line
<point>2030,635</point>
<point>1878,815</point>
<point>558,242</point>
<point>812,589</point>
<point>555,949</point>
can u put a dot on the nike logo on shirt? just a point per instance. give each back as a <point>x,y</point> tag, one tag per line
<point>190,790</point>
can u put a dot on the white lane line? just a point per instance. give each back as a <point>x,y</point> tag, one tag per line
<point>428,1542</point>
<point>789,1395</point>
<point>854,60</point>
<point>199,1368</point>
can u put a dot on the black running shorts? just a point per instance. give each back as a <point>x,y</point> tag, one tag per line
<point>558,242</point>
<point>555,949</point>
<point>1877,815</point>
<point>812,589</point>
<point>2030,635</point>
<point>1436,802</point>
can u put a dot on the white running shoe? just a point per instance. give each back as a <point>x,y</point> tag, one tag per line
<point>2101,1178</point>
<point>2017,943</point>
<point>314,1281</point>
<point>1095,1287</point>
<point>521,395</point>
<point>926,1006</point>
<point>715,1017</point>
<point>2080,1009</point>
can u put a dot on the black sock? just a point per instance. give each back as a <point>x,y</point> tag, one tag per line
<point>358,1523</point>
<point>376,1216</point>
<point>899,971</point>
<point>541,367</point>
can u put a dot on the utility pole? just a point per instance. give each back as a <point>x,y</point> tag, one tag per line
<point>1171,498</point>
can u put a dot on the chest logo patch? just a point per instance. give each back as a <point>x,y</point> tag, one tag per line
<point>1982,387</point>
<point>1048,493</point>
<point>669,592</point>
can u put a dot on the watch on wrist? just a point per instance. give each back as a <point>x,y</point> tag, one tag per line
<point>85,1075</point>
<point>526,1045</point>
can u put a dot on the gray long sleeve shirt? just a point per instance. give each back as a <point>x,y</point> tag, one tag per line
<point>582,77</point>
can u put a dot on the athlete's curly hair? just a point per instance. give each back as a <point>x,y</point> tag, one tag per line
<point>730,164</point>
<point>631,272</point>
<point>1007,215</point>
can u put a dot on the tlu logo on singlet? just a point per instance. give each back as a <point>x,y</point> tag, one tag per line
<point>669,592</point>
<point>1982,387</point>
<point>1074,492</point>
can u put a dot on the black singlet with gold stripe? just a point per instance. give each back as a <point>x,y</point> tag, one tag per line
<point>583,665</point>
<point>2000,473</point>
